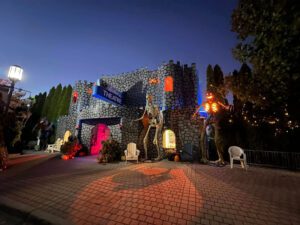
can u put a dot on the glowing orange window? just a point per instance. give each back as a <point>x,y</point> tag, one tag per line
<point>169,84</point>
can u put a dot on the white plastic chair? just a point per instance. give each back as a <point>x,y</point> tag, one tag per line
<point>132,153</point>
<point>55,147</point>
<point>237,153</point>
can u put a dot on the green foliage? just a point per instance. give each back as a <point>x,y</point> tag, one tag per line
<point>48,101</point>
<point>54,104</point>
<point>62,102</point>
<point>57,102</point>
<point>65,104</point>
<point>51,106</point>
<point>269,34</point>
<point>111,150</point>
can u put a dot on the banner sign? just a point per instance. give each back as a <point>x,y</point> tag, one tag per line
<point>108,94</point>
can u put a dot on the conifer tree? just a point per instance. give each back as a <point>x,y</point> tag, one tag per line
<point>209,78</point>
<point>36,110</point>
<point>218,83</point>
<point>54,104</point>
<point>68,100</point>
<point>46,106</point>
<point>62,102</point>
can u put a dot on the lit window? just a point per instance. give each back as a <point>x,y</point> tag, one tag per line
<point>169,139</point>
<point>168,84</point>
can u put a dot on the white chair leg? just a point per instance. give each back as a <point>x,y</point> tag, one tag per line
<point>231,163</point>
<point>242,163</point>
<point>245,162</point>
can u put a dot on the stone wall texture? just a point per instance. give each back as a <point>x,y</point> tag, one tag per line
<point>177,106</point>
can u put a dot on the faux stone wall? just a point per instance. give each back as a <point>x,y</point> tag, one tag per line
<point>182,101</point>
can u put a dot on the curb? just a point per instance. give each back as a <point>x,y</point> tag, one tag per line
<point>30,215</point>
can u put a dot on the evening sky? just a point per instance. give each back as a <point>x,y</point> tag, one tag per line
<point>60,41</point>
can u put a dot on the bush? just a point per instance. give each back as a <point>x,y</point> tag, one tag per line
<point>71,147</point>
<point>111,151</point>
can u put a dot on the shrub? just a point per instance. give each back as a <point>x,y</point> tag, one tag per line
<point>111,150</point>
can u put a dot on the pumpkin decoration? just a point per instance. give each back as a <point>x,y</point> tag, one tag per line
<point>177,158</point>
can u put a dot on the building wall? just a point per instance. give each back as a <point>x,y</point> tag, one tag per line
<point>182,103</point>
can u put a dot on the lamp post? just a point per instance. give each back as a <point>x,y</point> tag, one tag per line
<point>14,75</point>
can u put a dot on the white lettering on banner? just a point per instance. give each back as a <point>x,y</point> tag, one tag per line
<point>112,97</point>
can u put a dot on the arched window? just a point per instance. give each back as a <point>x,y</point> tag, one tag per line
<point>169,139</point>
<point>168,84</point>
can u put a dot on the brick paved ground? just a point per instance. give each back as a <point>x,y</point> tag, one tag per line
<point>84,192</point>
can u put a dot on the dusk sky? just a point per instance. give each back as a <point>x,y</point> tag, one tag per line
<point>60,41</point>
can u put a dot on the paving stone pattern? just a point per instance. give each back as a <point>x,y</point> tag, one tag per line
<point>159,193</point>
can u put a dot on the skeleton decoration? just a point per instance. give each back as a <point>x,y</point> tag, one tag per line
<point>152,118</point>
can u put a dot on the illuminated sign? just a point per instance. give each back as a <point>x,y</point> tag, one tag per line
<point>108,94</point>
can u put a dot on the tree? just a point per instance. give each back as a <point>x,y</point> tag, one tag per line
<point>219,120</point>
<point>48,101</point>
<point>36,110</point>
<point>269,34</point>
<point>209,78</point>
<point>54,104</point>
<point>218,84</point>
<point>62,102</point>
<point>67,101</point>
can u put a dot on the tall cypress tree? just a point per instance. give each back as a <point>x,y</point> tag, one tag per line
<point>46,106</point>
<point>218,83</point>
<point>62,102</point>
<point>28,133</point>
<point>54,103</point>
<point>209,78</point>
<point>218,76</point>
<point>67,101</point>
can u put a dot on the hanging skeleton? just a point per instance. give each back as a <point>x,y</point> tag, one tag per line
<point>152,118</point>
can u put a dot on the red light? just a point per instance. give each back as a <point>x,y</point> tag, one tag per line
<point>75,96</point>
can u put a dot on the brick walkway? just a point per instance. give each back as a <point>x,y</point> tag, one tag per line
<point>84,192</point>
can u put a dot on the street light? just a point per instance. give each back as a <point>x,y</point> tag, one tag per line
<point>14,75</point>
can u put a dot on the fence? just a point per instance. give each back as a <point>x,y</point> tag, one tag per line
<point>287,160</point>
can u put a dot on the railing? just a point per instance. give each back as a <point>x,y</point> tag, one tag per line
<point>287,160</point>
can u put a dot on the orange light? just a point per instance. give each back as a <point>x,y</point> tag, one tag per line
<point>209,96</point>
<point>168,84</point>
<point>153,81</point>
<point>65,157</point>
<point>207,107</point>
<point>214,107</point>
